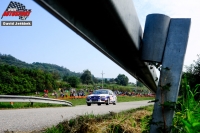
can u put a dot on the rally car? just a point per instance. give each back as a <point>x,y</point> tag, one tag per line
<point>101,96</point>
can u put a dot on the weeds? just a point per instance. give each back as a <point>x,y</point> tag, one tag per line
<point>187,118</point>
<point>130,121</point>
<point>55,130</point>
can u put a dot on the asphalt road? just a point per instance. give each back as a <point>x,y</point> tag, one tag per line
<point>27,120</point>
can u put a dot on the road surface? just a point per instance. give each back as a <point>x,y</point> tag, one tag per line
<point>35,119</point>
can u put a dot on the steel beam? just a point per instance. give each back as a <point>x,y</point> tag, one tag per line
<point>32,99</point>
<point>111,26</point>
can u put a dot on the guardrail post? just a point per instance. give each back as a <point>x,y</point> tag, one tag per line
<point>170,76</point>
<point>31,104</point>
<point>165,42</point>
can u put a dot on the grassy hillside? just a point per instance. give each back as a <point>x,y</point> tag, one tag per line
<point>12,61</point>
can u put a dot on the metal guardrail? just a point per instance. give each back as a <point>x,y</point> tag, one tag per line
<point>32,99</point>
<point>113,30</point>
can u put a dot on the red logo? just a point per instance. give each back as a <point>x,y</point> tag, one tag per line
<point>16,9</point>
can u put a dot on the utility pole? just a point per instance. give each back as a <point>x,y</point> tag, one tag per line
<point>102,79</point>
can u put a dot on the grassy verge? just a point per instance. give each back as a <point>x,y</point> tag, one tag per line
<point>18,105</point>
<point>131,98</point>
<point>134,120</point>
<point>187,117</point>
<point>75,102</point>
<point>119,99</point>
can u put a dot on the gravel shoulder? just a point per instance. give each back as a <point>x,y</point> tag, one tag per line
<point>35,119</point>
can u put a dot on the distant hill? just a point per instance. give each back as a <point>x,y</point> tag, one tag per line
<point>10,60</point>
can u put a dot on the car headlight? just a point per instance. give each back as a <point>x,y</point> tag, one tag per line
<point>88,97</point>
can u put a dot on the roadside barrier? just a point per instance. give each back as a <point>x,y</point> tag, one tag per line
<point>32,99</point>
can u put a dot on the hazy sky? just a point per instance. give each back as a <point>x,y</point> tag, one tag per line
<point>50,41</point>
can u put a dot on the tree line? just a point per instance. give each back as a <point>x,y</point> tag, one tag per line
<point>15,80</point>
<point>18,77</point>
<point>58,71</point>
<point>88,78</point>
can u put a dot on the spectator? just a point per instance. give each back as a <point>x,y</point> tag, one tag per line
<point>55,94</point>
<point>61,94</point>
<point>45,95</point>
<point>74,95</point>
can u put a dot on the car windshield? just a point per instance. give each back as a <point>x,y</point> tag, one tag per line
<point>100,92</point>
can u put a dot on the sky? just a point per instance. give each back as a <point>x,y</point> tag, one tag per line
<point>50,41</point>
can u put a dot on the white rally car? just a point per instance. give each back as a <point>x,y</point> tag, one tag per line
<point>101,96</point>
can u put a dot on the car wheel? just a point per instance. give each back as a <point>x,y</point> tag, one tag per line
<point>99,104</point>
<point>114,103</point>
<point>108,102</point>
<point>88,104</point>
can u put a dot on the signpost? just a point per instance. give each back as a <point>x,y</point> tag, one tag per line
<point>102,79</point>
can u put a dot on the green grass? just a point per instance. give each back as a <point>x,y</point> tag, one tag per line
<point>18,105</point>
<point>76,102</point>
<point>131,98</point>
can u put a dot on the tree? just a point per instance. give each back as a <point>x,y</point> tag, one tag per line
<point>122,80</point>
<point>73,81</point>
<point>99,80</point>
<point>106,81</point>
<point>138,83</point>
<point>63,84</point>
<point>193,73</point>
<point>16,80</point>
<point>86,77</point>
<point>112,80</point>
<point>95,80</point>
<point>192,76</point>
<point>56,75</point>
<point>65,78</point>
